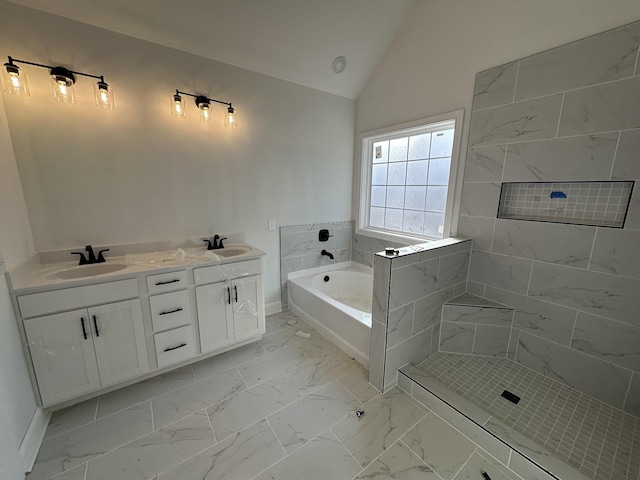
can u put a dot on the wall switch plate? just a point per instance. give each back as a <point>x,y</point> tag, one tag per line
<point>272,224</point>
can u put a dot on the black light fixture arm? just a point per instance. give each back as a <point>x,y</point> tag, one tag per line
<point>13,61</point>
<point>178,92</point>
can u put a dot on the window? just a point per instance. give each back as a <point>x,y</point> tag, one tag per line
<point>408,179</point>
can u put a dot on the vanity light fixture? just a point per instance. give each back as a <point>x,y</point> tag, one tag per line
<point>15,82</point>
<point>178,108</point>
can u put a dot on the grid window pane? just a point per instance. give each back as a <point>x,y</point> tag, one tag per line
<point>439,171</point>
<point>436,199</point>
<point>378,196</point>
<point>395,197</point>
<point>419,146</point>
<point>442,143</point>
<point>398,149</point>
<point>433,223</point>
<point>376,217</point>
<point>412,221</point>
<point>379,174</point>
<point>393,219</point>
<point>397,173</point>
<point>381,152</point>
<point>417,172</point>
<point>415,198</point>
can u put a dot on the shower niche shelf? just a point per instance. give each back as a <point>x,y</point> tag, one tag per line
<point>600,204</point>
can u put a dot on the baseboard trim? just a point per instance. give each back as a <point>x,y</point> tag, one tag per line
<point>273,307</point>
<point>33,438</point>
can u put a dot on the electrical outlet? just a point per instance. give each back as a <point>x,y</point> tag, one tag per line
<point>272,224</point>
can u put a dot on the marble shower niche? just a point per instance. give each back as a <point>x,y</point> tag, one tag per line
<point>564,117</point>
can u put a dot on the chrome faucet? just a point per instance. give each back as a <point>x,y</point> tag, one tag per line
<point>91,256</point>
<point>328,254</point>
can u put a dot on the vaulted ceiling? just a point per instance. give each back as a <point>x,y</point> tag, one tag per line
<point>293,40</point>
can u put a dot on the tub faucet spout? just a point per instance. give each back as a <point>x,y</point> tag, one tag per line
<point>328,254</point>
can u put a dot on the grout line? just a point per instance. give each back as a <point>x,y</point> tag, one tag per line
<point>515,83</point>
<point>278,439</point>
<point>573,330</point>
<point>211,425</point>
<point>560,116</point>
<point>330,429</point>
<point>593,246</point>
<point>615,153</point>
<point>153,423</point>
<point>95,414</point>
<point>635,70</point>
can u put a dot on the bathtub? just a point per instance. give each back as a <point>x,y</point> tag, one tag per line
<point>336,301</point>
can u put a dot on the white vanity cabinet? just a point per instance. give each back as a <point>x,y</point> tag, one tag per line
<point>80,350</point>
<point>230,304</point>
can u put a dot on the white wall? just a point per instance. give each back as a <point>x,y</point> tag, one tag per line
<point>137,174</point>
<point>17,402</point>
<point>431,65</point>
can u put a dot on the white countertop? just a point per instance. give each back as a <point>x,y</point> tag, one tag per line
<point>33,275</point>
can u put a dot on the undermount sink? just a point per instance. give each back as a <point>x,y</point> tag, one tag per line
<point>83,271</point>
<point>232,251</point>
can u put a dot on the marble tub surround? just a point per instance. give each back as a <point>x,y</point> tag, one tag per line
<point>300,249</point>
<point>272,429</point>
<point>408,292</point>
<point>567,114</point>
<point>363,248</point>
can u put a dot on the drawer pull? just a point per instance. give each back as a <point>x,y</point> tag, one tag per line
<point>168,281</point>
<point>84,330</point>
<point>175,348</point>
<point>229,293</point>
<point>171,311</point>
<point>95,324</point>
<point>235,289</point>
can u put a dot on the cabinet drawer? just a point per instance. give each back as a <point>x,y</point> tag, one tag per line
<point>165,282</point>
<point>220,273</point>
<point>175,346</point>
<point>37,304</point>
<point>170,310</point>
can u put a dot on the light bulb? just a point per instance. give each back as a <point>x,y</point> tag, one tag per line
<point>63,81</point>
<point>231,120</point>
<point>14,80</point>
<point>204,106</point>
<point>104,95</point>
<point>178,110</point>
<point>63,88</point>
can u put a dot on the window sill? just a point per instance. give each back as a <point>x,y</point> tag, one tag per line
<point>396,238</point>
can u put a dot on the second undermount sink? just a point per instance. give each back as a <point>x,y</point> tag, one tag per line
<point>232,251</point>
<point>83,271</point>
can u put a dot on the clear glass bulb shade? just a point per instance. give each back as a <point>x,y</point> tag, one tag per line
<point>104,96</point>
<point>231,119</point>
<point>178,107</point>
<point>63,90</point>
<point>14,81</point>
<point>205,112</point>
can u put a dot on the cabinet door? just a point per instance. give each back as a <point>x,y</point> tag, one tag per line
<point>63,359</point>
<point>248,315</point>
<point>118,336</point>
<point>214,315</point>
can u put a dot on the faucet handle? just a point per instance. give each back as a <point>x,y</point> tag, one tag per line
<point>83,260</point>
<point>100,256</point>
<point>220,245</point>
<point>209,245</point>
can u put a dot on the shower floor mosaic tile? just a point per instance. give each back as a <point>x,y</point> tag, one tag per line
<point>283,408</point>
<point>595,438</point>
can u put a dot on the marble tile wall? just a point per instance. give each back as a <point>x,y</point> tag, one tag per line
<point>408,293</point>
<point>571,113</point>
<point>300,249</point>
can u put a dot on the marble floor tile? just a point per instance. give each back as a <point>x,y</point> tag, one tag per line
<point>227,360</point>
<point>71,417</point>
<point>152,454</point>
<point>240,457</point>
<point>63,452</point>
<point>398,463</point>
<point>478,464</point>
<point>356,380</point>
<point>323,458</point>
<point>312,375</point>
<point>274,364</point>
<point>77,473</point>
<point>385,420</point>
<point>439,445</point>
<point>233,414</point>
<point>139,392</point>
<point>312,414</point>
<point>175,405</point>
<point>282,321</point>
<point>279,339</point>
